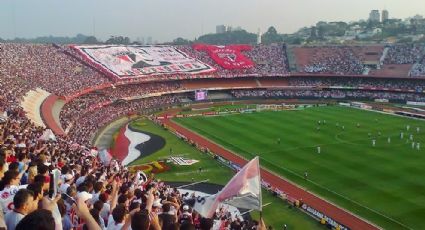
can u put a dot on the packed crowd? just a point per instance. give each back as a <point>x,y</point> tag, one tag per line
<point>330,94</point>
<point>418,69</point>
<point>89,102</point>
<point>403,54</point>
<point>47,67</point>
<point>394,84</point>
<point>270,60</point>
<point>90,122</point>
<point>340,60</point>
<point>92,195</point>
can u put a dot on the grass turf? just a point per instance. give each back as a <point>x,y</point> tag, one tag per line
<point>219,108</point>
<point>383,184</point>
<point>276,214</point>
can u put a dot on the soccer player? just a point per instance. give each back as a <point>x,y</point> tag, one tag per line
<point>319,122</point>
<point>318,149</point>
<point>278,141</point>
<point>389,140</point>
<point>418,146</point>
<point>413,145</point>
<point>379,133</point>
<point>373,143</point>
<point>407,127</point>
<point>369,134</point>
<point>418,129</point>
<point>337,124</point>
<point>305,175</point>
<point>343,127</point>
<point>324,122</point>
<point>358,125</point>
<point>318,128</point>
<point>411,137</point>
<point>401,135</point>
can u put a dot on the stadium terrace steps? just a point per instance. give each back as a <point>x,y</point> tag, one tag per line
<point>270,83</point>
<point>258,82</point>
<point>369,54</point>
<point>384,55</point>
<point>302,56</point>
<point>392,70</point>
<point>292,63</point>
<point>32,103</point>
<point>220,83</point>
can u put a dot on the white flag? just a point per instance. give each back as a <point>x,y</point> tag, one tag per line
<point>242,191</point>
<point>105,156</point>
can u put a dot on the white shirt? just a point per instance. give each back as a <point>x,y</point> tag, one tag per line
<point>80,180</point>
<point>12,219</point>
<point>95,198</point>
<point>105,211</point>
<point>2,223</point>
<point>64,187</point>
<point>112,225</point>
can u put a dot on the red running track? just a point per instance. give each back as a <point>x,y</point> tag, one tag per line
<point>338,214</point>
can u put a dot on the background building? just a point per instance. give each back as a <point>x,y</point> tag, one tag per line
<point>374,16</point>
<point>385,15</point>
<point>220,29</point>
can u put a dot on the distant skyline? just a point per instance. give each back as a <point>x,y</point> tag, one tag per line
<point>165,20</point>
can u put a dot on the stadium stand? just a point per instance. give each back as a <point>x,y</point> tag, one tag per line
<point>219,83</point>
<point>94,99</point>
<point>340,60</point>
<point>418,69</point>
<point>269,60</point>
<point>327,94</point>
<point>403,54</point>
<point>47,67</point>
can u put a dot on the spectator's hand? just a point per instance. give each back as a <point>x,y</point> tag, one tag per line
<point>149,200</point>
<point>134,211</point>
<point>81,208</point>
<point>83,212</point>
<point>262,225</point>
<point>50,204</point>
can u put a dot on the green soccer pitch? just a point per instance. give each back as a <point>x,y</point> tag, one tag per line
<point>382,183</point>
<point>276,214</point>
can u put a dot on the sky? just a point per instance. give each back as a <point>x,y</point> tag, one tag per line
<point>165,20</point>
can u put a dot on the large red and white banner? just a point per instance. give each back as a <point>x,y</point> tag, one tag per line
<point>242,191</point>
<point>137,61</point>
<point>228,57</point>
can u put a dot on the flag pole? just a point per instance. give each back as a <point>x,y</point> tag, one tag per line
<point>261,193</point>
<point>194,183</point>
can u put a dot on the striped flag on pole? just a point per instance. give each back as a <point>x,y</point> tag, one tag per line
<point>242,191</point>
